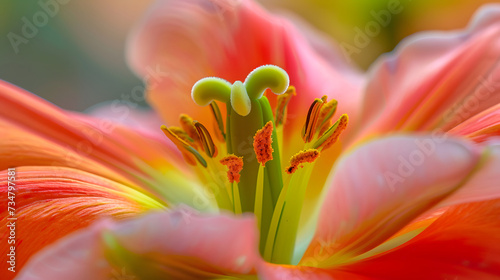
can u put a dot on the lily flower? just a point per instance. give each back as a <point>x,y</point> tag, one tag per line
<point>281,161</point>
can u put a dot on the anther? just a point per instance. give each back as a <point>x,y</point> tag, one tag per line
<point>187,125</point>
<point>235,165</point>
<point>206,140</point>
<point>312,120</point>
<point>189,153</point>
<point>307,156</point>
<point>262,143</point>
<point>325,116</point>
<point>219,124</point>
<point>282,105</point>
<point>179,132</point>
<point>331,136</point>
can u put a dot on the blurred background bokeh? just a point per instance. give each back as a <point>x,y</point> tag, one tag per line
<point>76,58</point>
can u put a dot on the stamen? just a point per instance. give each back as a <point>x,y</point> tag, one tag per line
<point>188,127</point>
<point>326,114</point>
<point>189,153</point>
<point>235,165</point>
<point>262,143</point>
<point>219,125</point>
<point>282,104</point>
<point>206,140</point>
<point>307,156</point>
<point>182,135</point>
<point>259,187</point>
<point>331,136</point>
<point>312,120</point>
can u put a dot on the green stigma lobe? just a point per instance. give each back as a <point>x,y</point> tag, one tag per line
<point>207,90</point>
<point>267,76</point>
<point>239,94</point>
<point>239,99</point>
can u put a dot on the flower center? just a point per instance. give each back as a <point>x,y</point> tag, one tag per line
<point>243,179</point>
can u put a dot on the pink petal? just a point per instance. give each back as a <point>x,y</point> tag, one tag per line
<point>226,243</point>
<point>483,185</point>
<point>323,45</point>
<point>381,187</point>
<point>279,272</point>
<point>436,80</point>
<point>482,126</point>
<point>76,257</point>
<point>145,121</point>
<point>464,243</point>
<point>180,42</point>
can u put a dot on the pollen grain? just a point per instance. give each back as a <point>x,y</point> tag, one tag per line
<point>262,143</point>
<point>235,165</point>
<point>307,156</point>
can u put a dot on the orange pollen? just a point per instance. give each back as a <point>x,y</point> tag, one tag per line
<point>307,156</point>
<point>336,134</point>
<point>324,127</point>
<point>262,143</point>
<point>235,165</point>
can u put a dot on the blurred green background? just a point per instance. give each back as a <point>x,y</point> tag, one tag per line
<point>77,57</point>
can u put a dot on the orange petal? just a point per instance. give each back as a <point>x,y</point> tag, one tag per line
<point>289,272</point>
<point>464,243</point>
<point>380,188</point>
<point>100,140</point>
<point>51,202</point>
<point>182,41</point>
<point>36,133</point>
<point>436,80</point>
<point>177,243</point>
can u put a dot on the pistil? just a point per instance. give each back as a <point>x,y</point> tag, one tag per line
<point>248,110</point>
<point>253,135</point>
